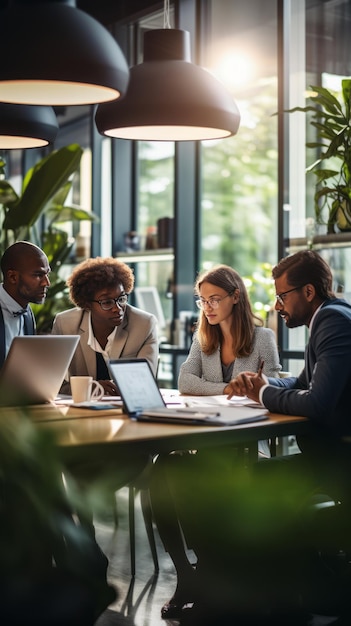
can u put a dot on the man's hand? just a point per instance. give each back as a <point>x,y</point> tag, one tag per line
<point>246,384</point>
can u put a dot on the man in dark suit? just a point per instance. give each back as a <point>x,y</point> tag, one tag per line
<point>25,269</point>
<point>321,392</point>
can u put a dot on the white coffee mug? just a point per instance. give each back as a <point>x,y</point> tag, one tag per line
<point>86,389</point>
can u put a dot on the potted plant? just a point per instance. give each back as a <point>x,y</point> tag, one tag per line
<point>331,118</point>
<point>36,214</point>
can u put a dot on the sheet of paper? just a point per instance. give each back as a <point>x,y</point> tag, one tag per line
<point>219,400</point>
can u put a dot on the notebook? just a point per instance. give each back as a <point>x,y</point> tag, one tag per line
<point>143,400</point>
<point>35,368</point>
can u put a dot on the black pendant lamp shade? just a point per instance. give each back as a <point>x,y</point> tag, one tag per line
<point>58,55</point>
<point>169,98</point>
<point>24,126</point>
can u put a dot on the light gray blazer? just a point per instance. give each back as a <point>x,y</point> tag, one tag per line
<point>135,337</point>
<point>201,374</point>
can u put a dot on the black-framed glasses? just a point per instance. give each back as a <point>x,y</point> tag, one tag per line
<point>280,297</point>
<point>212,302</point>
<point>109,303</point>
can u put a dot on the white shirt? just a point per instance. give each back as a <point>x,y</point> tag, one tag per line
<point>14,326</point>
<point>94,344</point>
<point>313,317</point>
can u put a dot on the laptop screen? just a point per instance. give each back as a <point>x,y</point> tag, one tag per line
<point>35,368</point>
<point>137,385</point>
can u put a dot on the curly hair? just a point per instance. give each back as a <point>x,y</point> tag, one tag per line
<point>243,318</point>
<point>93,274</point>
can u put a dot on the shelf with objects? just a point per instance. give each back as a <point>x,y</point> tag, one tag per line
<point>154,293</point>
<point>153,289</point>
<point>319,242</point>
<point>147,256</point>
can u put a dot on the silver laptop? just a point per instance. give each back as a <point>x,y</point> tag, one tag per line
<point>143,400</point>
<point>35,367</point>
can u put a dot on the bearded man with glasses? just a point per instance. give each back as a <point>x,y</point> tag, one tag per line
<point>305,297</point>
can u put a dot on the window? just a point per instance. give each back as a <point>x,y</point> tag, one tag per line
<point>239,205</point>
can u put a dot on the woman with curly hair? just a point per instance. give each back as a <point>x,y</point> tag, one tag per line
<point>108,326</point>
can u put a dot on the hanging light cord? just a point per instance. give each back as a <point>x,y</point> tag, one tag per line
<point>166,22</point>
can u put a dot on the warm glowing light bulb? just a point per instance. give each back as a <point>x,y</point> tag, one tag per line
<point>234,69</point>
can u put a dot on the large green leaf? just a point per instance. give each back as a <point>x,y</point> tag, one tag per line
<point>60,197</point>
<point>58,214</point>
<point>45,181</point>
<point>326,99</point>
<point>57,246</point>
<point>346,92</point>
<point>324,174</point>
<point>8,196</point>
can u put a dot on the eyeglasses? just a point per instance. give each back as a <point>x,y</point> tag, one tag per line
<point>212,302</point>
<point>109,303</point>
<point>280,297</point>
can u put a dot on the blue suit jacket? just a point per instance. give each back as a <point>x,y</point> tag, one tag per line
<point>322,392</point>
<point>29,329</point>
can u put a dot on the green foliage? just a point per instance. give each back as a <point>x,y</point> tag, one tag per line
<point>261,290</point>
<point>239,194</point>
<point>36,215</point>
<point>32,494</point>
<point>331,117</point>
<point>40,518</point>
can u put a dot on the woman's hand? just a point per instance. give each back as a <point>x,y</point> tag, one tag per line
<point>109,387</point>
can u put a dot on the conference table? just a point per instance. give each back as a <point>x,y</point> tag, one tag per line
<point>84,432</point>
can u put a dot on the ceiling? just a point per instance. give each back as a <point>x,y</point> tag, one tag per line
<point>322,18</point>
<point>107,11</point>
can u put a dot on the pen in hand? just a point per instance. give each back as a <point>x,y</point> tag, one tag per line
<point>260,369</point>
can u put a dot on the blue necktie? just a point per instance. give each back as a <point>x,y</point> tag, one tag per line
<point>28,326</point>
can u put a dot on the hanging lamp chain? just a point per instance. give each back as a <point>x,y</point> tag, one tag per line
<point>166,22</point>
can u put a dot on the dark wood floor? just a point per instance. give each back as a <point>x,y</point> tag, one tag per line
<point>140,599</point>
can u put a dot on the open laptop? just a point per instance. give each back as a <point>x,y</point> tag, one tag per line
<point>143,400</point>
<point>35,368</point>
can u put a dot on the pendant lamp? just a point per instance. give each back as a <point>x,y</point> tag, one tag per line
<point>169,98</point>
<point>57,54</point>
<point>23,126</point>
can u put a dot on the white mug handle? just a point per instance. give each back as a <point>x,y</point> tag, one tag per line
<point>97,391</point>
